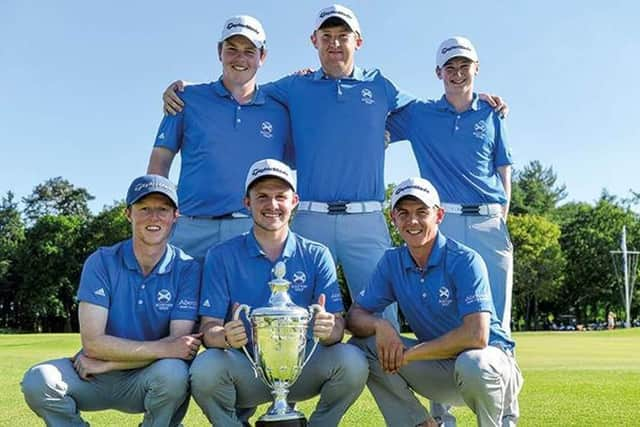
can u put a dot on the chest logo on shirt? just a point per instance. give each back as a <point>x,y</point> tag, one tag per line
<point>444,297</point>
<point>298,281</point>
<point>367,96</point>
<point>163,300</point>
<point>480,129</point>
<point>266,129</point>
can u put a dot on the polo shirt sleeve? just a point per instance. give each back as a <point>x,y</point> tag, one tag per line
<point>396,98</point>
<point>215,300</point>
<point>378,294</point>
<point>327,281</point>
<point>170,132</point>
<point>471,279</point>
<point>188,290</point>
<point>399,124</point>
<point>95,286</point>
<point>502,152</point>
<point>280,89</point>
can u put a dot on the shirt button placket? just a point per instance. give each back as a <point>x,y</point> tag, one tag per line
<point>238,120</point>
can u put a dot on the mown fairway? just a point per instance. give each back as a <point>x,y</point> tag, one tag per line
<point>571,379</point>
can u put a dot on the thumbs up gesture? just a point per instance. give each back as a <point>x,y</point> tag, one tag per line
<point>324,322</point>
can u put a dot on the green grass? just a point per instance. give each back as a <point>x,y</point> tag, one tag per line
<point>571,379</point>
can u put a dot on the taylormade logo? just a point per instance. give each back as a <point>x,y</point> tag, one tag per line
<point>144,185</point>
<point>457,46</point>
<point>260,171</point>
<point>231,25</point>
<point>335,12</point>
<point>408,187</point>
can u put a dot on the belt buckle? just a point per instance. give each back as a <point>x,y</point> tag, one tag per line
<point>470,209</point>
<point>337,208</point>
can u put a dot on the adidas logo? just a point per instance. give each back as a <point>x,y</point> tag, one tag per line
<point>206,303</point>
<point>161,136</point>
<point>100,292</point>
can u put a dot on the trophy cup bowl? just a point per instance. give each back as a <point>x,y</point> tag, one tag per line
<point>279,333</point>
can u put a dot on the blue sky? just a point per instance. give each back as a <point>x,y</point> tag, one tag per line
<point>82,80</point>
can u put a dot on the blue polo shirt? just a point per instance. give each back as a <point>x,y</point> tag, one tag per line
<point>238,271</point>
<point>338,132</point>
<point>141,308</point>
<point>219,140</point>
<point>458,152</point>
<point>434,301</point>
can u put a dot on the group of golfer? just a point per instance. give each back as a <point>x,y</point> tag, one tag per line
<point>200,249</point>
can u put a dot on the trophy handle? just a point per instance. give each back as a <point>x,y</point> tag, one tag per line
<point>313,308</point>
<point>236,316</point>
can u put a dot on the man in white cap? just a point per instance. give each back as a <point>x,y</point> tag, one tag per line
<point>226,126</point>
<point>138,306</point>
<point>461,354</point>
<point>237,271</point>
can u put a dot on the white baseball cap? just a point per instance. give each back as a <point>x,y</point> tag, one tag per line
<point>419,188</point>
<point>453,47</point>
<point>272,168</point>
<point>244,25</point>
<point>340,12</point>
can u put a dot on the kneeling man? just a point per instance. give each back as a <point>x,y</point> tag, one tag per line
<point>461,354</point>
<point>237,271</point>
<point>138,305</point>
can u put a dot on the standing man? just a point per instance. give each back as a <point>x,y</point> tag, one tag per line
<point>237,272</point>
<point>226,126</point>
<point>461,145</point>
<point>138,305</point>
<point>461,354</point>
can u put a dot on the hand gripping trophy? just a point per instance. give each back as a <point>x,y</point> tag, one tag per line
<point>279,333</point>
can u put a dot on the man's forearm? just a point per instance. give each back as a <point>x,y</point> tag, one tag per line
<point>360,322</point>
<point>114,349</point>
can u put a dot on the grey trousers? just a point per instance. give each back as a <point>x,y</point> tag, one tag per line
<point>55,392</point>
<point>489,236</point>
<point>487,381</point>
<point>196,235</point>
<point>223,382</point>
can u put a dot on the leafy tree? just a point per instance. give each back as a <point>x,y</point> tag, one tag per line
<point>539,264</point>
<point>11,237</point>
<point>588,235</point>
<point>107,228</point>
<point>396,240</point>
<point>57,196</point>
<point>535,190</point>
<point>50,262</point>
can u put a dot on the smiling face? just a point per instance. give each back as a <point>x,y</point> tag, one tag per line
<point>458,75</point>
<point>336,47</point>
<point>271,201</point>
<point>416,222</point>
<point>240,60</point>
<point>152,219</point>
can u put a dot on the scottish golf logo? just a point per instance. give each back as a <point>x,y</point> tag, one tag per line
<point>480,129</point>
<point>266,129</point>
<point>367,96</point>
<point>444,296</point>
<point>298,281</point>
<point>163,300</point>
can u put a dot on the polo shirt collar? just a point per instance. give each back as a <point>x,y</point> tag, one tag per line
<point>256,251</point>
<point>163,266</point>
<point>220,90</point>
<point>357,74</point>
<point>437,252</point>
<point>444,105</point>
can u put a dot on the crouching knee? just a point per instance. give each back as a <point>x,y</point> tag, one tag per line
<point>170,377</point>
<point>42,383</point>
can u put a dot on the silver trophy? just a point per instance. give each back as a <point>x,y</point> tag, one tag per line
<point>279,333</point>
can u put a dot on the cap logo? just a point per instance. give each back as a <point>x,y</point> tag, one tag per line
<point>335,12</point>
<point>408,187</point>
<point>259,171</point>
<point>458,46</point>
<point>144,185</point>
<point>231,25</point>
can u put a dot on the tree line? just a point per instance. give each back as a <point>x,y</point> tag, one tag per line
<point>562,264</point>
